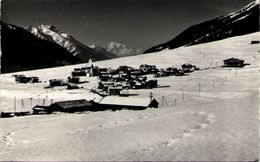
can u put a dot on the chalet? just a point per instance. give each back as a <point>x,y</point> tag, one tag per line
<point>21,79</point>
<point>105,76</point>
<point>135,72</point>
<point>79,73</point>
<point>255,42</point>
<point>171,71</point>
<point>160,73</point>
<point>74,80</point>
<point>233,62</point>
<point>148,69</point>
<point>104,85</point>
<point>33,79</point>
<point>151,84</point>
<point>187,68</point>
<point>179,73</point>
<point>56,82</point>
<point>124,69</point>
<point>114,90</point>
<point>119,77</point>
<point>71,106</point>
<point>118,103</point>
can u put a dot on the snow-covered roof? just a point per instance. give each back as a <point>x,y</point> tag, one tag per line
<point>115,100</point>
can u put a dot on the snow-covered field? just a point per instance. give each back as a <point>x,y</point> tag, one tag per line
<point>218,122</point>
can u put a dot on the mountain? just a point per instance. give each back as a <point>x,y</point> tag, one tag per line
<point>122,50</point>
<point>41,47</point>
<point>76,48</point>
<point>22,50</point>
<point>244,21</point>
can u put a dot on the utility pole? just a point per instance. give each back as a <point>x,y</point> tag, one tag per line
<point>182,95</point>
<point>151,96</point>
<point>22,104</point>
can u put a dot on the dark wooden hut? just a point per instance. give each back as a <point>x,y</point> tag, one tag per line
<point>233,62</point>
<point>71,106</point>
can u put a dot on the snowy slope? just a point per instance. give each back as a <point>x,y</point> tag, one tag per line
<point>217,123</point>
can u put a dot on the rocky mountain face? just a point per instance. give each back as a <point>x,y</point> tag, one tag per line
<point>76,48</point>
<point>42,47</point>
<point>244,21</point>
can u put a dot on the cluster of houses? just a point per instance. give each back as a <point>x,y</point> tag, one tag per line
<point>112,84</point>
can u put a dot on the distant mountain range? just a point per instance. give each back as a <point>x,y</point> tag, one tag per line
<point>46,46</point>
<point>118,49</point>
<point>41,47</point>
<point>244,21</point>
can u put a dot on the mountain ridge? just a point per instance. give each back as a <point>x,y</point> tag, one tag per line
<point>243,21</point>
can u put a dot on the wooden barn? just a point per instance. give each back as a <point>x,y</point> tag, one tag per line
<point>233,62</point>
<point>71,106</point>
<point>118,103</point>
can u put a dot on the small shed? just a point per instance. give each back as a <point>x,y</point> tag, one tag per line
<point>71,106</point>
<point>233,62</point>
<point>117,103</point>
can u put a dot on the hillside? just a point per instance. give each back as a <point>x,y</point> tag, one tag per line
<point>241,22</point>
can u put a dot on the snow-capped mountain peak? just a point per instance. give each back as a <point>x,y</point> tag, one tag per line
<point>51,33</point>
<point>122,49</point>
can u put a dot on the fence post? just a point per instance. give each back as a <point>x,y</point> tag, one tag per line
<point>22,104</point>
<point>15,104</point>
<point>151,96</point>
<point>162,100</point>
<point>43,102</point>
